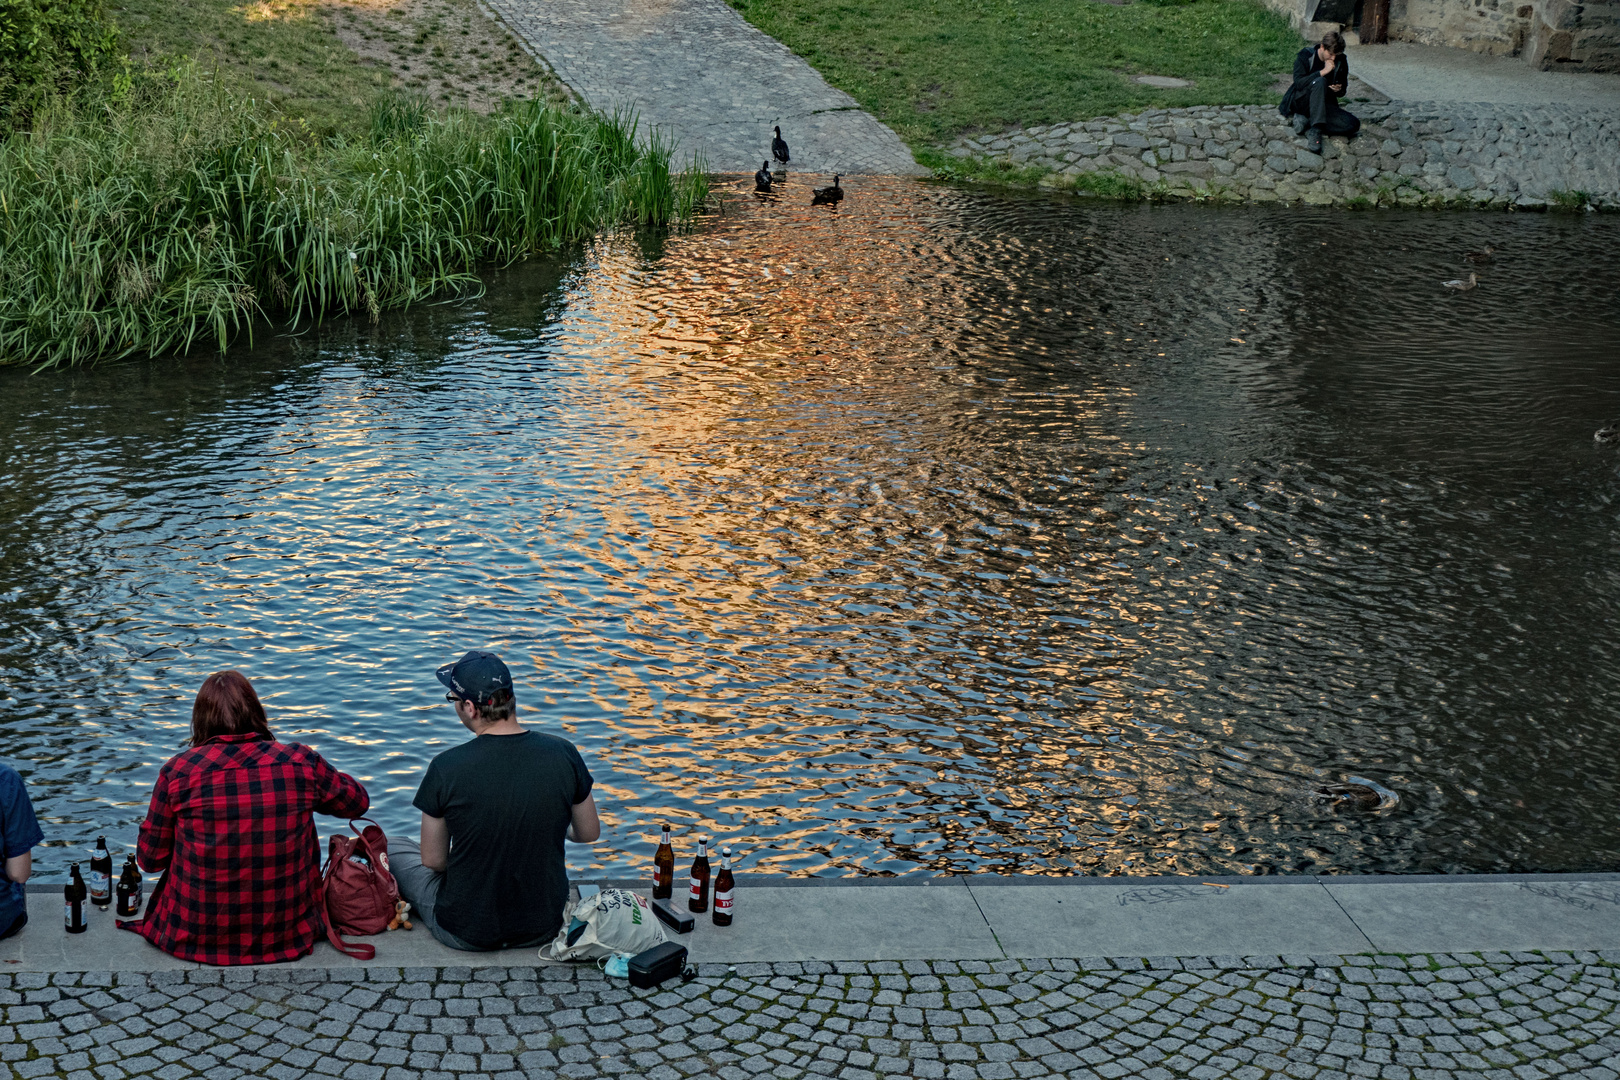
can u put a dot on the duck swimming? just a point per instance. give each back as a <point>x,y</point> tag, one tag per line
<point>828,196</point>
<point>762,179</point>
<point>1342,797</point>
<point>779,149</point>
<point>1461,285</point>
<point>1480,256</point>
<point>1607,434</point>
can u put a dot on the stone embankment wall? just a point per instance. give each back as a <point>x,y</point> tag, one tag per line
<point>1406,154</point>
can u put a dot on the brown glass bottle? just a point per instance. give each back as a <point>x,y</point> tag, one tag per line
<point>129,890</point>
<point>725,890</point>
<point>697,900</point>
<point>101,875</point>
<point>74,896</point>
<point>664,869</point>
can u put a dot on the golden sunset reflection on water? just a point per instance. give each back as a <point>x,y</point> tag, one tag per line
<point>949,531</point>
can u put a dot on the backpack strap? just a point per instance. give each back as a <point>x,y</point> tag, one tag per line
<point>359,950</point>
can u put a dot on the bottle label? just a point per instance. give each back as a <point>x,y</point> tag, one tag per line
<point>70,916</point>
<point>722,900</point>
<point>100,884</point>
<point>697,888</point>
<point>656,880</point>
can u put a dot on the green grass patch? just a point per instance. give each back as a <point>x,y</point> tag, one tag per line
<point>179,214</point>
<point>283,53</point>
<point>937,69</point>
<point>1569,202</point>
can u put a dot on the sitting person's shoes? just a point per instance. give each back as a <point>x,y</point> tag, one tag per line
<point>1313,141</point>
<point>1300,122</point>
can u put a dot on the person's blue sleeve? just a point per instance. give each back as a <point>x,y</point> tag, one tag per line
<point>19,828</point>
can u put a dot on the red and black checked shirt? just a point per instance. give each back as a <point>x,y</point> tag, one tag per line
<point>231,823</point>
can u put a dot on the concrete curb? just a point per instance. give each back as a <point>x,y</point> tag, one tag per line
<point>983,917</point>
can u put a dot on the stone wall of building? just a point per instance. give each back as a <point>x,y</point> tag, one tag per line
<point>1567,35</point>
<point>1408,154</point>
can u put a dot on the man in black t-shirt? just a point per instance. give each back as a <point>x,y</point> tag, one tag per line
<point>489,871</point>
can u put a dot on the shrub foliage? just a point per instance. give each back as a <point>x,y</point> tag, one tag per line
<point>146,226</point>
<point>48,47</point>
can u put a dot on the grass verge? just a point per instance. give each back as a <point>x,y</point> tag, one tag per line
<point>937,69</point>
<point>322,62</point>
<point>181,214</point>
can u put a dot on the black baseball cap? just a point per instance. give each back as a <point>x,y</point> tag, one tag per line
<point>478,677</point>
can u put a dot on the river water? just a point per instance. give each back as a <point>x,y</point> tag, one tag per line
<point>947,531</point>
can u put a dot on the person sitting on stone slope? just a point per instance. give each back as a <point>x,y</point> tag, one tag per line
<point>1321,76</point>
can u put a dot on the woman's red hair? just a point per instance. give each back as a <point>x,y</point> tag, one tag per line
<point>227,705</point>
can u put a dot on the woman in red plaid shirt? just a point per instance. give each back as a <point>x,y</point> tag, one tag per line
<point>232,825</point>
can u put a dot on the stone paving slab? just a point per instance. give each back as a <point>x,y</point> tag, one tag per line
<point>697,72</point>
<point>1172,919</point>
<point>1518,1016</point>
<point>988,918</point>
<point>1474,915</point>
<point>1411,72</point>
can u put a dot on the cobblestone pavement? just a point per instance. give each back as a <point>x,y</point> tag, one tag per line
<point>1486,155</point>
<point>1518,1017</point>
<point>696,70</point>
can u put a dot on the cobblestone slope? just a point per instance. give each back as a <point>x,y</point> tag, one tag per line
<point>1486,155</point>
<point>710,83</point>
<point>1515,1017</point>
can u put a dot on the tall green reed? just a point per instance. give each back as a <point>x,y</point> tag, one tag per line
<point>181,217</point>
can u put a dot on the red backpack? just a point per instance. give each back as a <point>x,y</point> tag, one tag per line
<point>358,890</point>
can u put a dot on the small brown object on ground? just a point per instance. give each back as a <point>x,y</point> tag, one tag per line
<point>400,921</point>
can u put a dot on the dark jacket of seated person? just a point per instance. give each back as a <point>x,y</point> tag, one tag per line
<point>1316,96</point>
<point>232,826</point>
<point>490,872</point>
<point>19,833</point>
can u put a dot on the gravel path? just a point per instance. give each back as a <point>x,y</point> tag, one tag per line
<point>1515,1017</point>
<point>698,72</point>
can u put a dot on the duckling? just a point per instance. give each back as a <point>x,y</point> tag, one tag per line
<point>1462,286</point>
<point>779,149</point>
<point>762,179</point>
<point>828,196</point>
<point>1608,433</point>
<point>1480,256</point>
<point>1347,796</point>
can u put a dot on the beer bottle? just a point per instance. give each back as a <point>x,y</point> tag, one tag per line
<point>664,869</point>
<point>724,890</point>
<point>101,875</point>
<point>74,894</point>
<point>697,901</point>
<point>129,890</point>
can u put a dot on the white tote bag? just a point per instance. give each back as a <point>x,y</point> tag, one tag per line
<point>612,921</point>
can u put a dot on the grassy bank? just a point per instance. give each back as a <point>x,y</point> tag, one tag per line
<point>937,69</point>
<point>322,62</point>
<point>182,214</point>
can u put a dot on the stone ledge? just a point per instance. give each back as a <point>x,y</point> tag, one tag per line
<point>1406,154</point>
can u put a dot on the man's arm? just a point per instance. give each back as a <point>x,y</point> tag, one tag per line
<point>435,843</point>
<point>18,867</point>
<point>586,827</point>
<point>1339,78</point>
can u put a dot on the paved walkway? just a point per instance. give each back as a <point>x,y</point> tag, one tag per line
<point>698,72</point>
<point>1516,1016</point>
<point>1407,72</point>
<point>990,918</point>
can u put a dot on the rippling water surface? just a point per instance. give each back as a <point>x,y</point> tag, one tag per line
<point>946,531</point>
